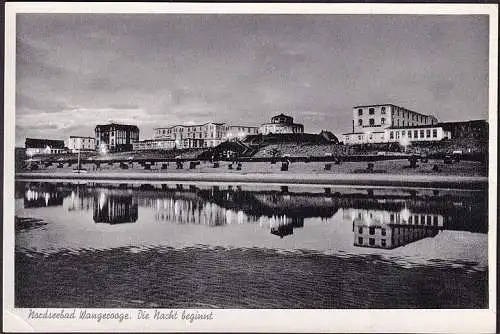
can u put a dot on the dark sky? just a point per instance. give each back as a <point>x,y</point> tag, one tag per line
<point>74,71</point>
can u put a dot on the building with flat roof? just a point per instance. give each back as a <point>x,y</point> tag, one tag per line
<point>116,137</point>
<point>35,146</point>
<point>153,144</point>
<point>369,122</point>
<point>209,134</point>
<point>81,143</point>
<point>281,124</point>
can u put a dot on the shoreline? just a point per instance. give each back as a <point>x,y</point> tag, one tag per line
<point>375,180</point>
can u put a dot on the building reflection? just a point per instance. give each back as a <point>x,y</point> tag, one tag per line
<point>193,211</point>
<point>112,208</point>
<point>35,198</point>
<point>391,229</point>
<point>79,201</point>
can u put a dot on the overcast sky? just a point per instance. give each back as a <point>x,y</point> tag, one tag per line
<point>75,71</point>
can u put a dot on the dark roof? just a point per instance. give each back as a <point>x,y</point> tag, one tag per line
<point>476,121</point>
<point>43,143</point>
<point>414,127</point>
<point>119,126</point>
<point>82,137</point>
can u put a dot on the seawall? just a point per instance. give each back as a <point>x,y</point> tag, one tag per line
<point>362,180</point>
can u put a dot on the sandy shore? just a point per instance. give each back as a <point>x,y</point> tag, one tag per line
<point>382,179</point>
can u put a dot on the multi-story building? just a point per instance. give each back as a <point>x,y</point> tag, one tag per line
<point>79,143</point>
<point>281,124</point>
<point>116,137</point>
<point>369,122</point>
<point>153,144</point>
<point>202,135</point>
<point>43,146</point>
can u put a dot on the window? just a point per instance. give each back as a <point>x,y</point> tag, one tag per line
<point>435,220</point>
<point>398,112</point>
<point>382,120</point>
<point>383,110</point>
<point>410,220</point>
<point>383,231</point>
<point>428,133</point>
<point>398,122</point>
<point>409,133</point>
<point>359,137</point>
<point>360,112</point>
<point>415,134</point>
<point>371,122</point>
<point>416,220</point>
<point>371,111</point>
<point>360,241</point>
<point>429,218</point>
<point>360,230</point>
<point>360,122</point>
<point>372,242</point>
<point>421,133</point>
<point>434,133</point>
<point>403,133</point>
<point>392,134</point>
<point>383,243</point>
<point>392,218</point>
<point>422,220</point>
<point>372,230</point>
<point>397,134</point>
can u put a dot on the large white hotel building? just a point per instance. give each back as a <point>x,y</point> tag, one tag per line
<point>382,123</point>
<point>199,136</point>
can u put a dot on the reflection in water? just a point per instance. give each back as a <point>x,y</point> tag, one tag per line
<point>379,220</point>
<point>390,229</point>
<point>115,208</point>
<point>42,198</point>
<point>229,247</point>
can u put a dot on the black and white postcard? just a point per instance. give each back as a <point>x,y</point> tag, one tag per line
<point>250,167</point>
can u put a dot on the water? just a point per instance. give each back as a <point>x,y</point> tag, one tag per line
<point>203,246</point>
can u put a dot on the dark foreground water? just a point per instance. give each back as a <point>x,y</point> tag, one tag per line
<point>204,246</point>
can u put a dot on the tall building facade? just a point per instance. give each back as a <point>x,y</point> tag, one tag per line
<point>370,122</point>
<point>202,135</point>
<point>281,124</point>
<point>116,137</point>
<point>79,143</point>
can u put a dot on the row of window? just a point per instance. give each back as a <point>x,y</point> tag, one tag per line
<point>371,122</point>
<point>405,114</point>
<point>371,111</point>
<point>414,134</point>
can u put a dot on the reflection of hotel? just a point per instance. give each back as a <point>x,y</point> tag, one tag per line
<point>185,211</point>
<point>385,229</point>
<point>79,201</point>
<point>115,209</point>
<point>41,198</point>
